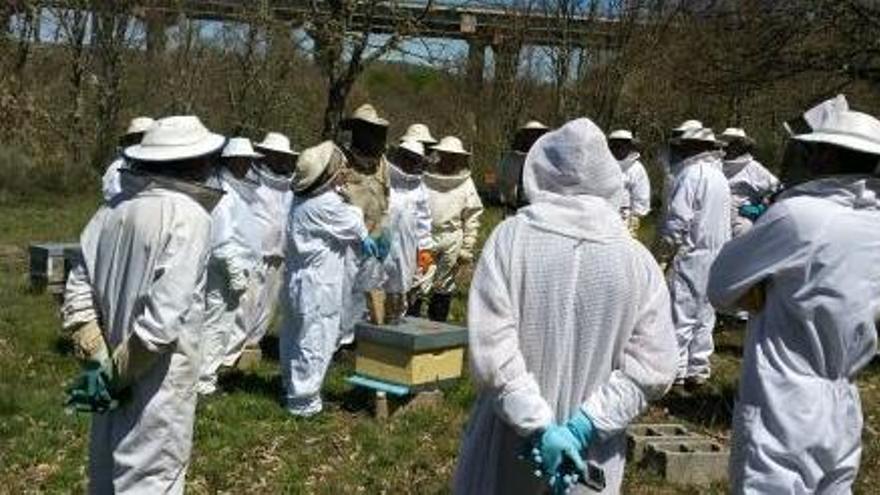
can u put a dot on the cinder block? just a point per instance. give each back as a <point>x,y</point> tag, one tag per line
<point>694,462</point>
<point>638,436</point>
<point>50,263</point>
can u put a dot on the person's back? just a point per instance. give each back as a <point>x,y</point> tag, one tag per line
<point>699,211</point>
<point>145,259</point>
<point>568,316</point>
<point>809,270</point>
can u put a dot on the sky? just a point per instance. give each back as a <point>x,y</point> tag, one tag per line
<point>417,51</point>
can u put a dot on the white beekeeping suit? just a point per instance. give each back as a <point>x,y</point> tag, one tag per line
<point>670,162</point>
<point>410,227</point>
<point>567,311</point>
<point>235,256</point>
<point>111,184</point>
<point>271,208</point>
<point>636,198</point>
<point>750,183</point>
<point>322,228</point>
<point>696,226</point>
<point>456,208</point>
<point>143,278</point>
<point>816,255</point>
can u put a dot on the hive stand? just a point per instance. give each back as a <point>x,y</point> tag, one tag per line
<point>693,462</point>
<point>640,435</point>
<point>406,364</point>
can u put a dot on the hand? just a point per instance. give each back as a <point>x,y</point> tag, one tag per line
<point>752,212</point>
<point>553,449</point>
<point>91,392</point>
<point>384,244</point>
<point>425,260</point>
<point>89,344</point>
<point>131,360</point>
<point>369,248</point>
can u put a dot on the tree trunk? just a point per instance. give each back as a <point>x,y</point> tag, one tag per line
<point>337,95</point>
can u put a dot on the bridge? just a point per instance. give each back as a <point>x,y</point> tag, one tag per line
<point>505,30</point>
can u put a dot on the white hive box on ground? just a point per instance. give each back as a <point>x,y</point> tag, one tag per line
<point>415,354</point>
<point>50,263</point>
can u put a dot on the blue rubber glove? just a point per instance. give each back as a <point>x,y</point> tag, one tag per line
<point>369,248</point>
<point>384,244</point>
<point>581,426</point>
<point>752,212</point>
<point>553,447</point>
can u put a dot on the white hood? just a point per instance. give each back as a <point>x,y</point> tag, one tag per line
<point>573,160</point>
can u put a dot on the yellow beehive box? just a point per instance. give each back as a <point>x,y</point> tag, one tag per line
<point>414,353</point>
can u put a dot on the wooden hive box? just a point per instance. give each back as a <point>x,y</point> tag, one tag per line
<point>50,263</point>
<point>415,353</point>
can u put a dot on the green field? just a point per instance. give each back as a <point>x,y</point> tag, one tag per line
<point>244,441</point>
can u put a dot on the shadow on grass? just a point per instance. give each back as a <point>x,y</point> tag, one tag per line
<point>710,407</point>
<point>63,346</point>
<point>270,346</point>
<point>240,381</point>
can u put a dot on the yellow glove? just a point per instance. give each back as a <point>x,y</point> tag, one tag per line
<point>89,344</point>
<point>131,360</point>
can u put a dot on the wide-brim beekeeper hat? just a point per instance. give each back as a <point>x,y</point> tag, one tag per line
<point>140,125</point>
<point>848,129</point>
<point>315,165</point>
<point>277,142</point>
<point>239,147</point>
<point>451,144</point>
<point>702,135</point>
<point>734,134</point>
<point>175,138</point>
<point>365,113</point>
<point>420,133</point>
<point>415,147</point>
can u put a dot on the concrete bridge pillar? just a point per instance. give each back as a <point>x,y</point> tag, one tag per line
<point>476,64</point>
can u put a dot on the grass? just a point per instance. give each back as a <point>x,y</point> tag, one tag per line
<point>244,442</point>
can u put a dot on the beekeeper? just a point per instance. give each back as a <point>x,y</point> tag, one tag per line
<point>566,346</point>
<point>411,257</point>
<point>420,133</point>
<point>670,160</point>
<point>636,198</point>
<point>110,183</point>
<point>366,185</point>
<point>695,227</point>
<point>235,258</point>
<point>509,172</point>
<point>271,208</point>
<point>455,212</point>
<point>322,227</point>
<point>139,295</point>
<point>751,185</point>
<point>810,269</point>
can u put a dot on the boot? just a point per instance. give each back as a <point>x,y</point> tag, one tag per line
<point>376,306</point>
<point>395,308</point>
<point>415,307</point>
<point>438,307</point>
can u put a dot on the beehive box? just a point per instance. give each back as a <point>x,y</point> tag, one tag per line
<point>50,263</point>
<point>414,353</point>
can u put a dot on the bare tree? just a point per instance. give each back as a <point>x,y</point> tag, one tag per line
<point>74,24</point>
<point>110,39</point>
<point>345,45</point>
